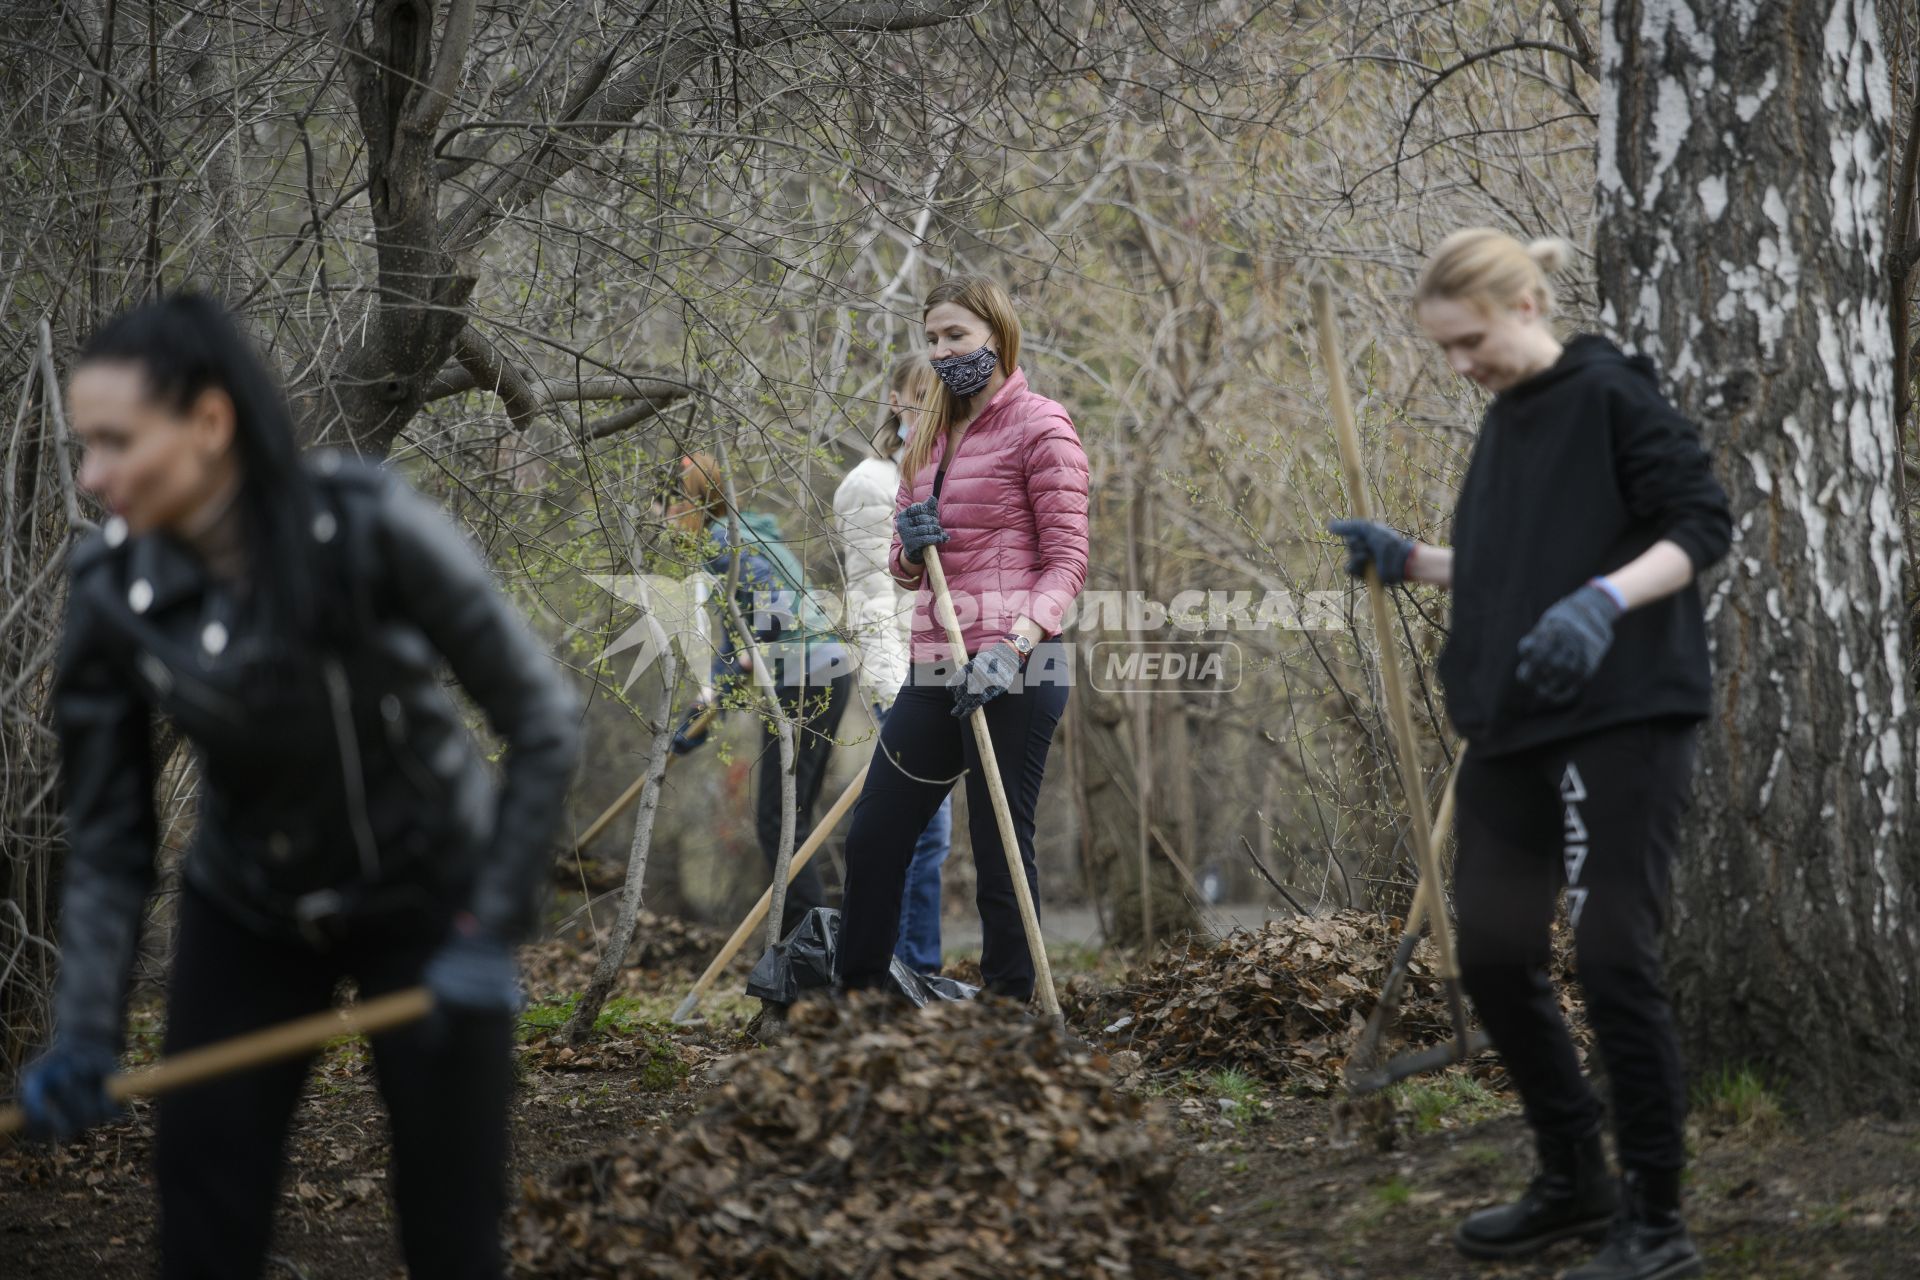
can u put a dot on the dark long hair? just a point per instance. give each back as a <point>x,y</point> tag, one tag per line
<point>187,344</point>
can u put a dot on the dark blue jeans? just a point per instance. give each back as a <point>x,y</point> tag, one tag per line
<point>919,945</point>
<point>923,751</point>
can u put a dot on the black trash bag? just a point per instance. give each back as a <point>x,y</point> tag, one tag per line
<point>803,961</point>
<point>938,988</point>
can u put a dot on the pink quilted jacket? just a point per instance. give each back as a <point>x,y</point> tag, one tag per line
<point>1015,507</point>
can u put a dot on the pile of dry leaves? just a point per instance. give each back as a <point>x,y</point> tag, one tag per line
<point>950,1143</point>
<point>1283,1003</point>
<point>661,945</point>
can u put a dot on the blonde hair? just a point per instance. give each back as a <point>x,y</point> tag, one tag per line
<point>1492,269</point>
<point>912,379</point>
<point>986,299</point>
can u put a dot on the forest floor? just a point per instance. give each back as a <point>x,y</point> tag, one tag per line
<point>1244,1153</point>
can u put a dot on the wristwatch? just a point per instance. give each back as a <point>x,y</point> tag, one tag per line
<point>1021,645</point>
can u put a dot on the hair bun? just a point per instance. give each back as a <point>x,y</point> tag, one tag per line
<point>1550,253</point>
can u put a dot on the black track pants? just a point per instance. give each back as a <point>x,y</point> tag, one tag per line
<point>923,751</point>
<point>816,710</point>
<point>1596,816</point>
<point>219,1145</point>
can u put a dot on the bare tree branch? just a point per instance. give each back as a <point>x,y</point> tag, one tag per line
<point>625,420</point>
<point>482,367</point>
<point>1440,78</point>
<point>448,63</point>
<point>517,184</point>
<point>485,368</point>
<point>1584,55</point>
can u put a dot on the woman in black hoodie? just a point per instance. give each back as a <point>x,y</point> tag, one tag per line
<point>1576,665</point>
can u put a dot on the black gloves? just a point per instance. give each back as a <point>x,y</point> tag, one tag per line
<point>693,730</point>
<point>473,972</point>
<point>919,528</point>
<point>64,1090</point>
<point>1369,542</point>
<point>992,672</point>
<point>1565,647</point>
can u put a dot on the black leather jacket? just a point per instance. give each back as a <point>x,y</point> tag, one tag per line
<point>335,781</point>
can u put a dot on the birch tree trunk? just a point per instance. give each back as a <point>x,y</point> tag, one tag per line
<point>1742,210</point>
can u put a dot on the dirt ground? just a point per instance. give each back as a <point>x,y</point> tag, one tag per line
<point>1768,1198</point>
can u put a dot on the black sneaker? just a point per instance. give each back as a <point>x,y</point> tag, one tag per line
<point>1649,1240</point>
<point>1573,1196</point>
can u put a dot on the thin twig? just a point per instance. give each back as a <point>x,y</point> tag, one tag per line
<point>59,416</point>
<point>1268,876</point>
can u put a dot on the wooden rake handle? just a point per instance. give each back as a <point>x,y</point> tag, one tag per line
<point>1425,895</point>
<point>1399,711</point>
<point>1002,811</point>
<point>632,793</point>
<point>755,917</point>
<point>257,1048</point>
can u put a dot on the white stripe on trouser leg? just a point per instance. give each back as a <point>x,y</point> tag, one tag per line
<point>1572,791</point>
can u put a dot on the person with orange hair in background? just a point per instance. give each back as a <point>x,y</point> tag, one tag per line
<point>811,669</point>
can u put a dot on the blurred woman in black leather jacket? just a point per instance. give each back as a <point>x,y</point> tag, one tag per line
<point>290,614</point>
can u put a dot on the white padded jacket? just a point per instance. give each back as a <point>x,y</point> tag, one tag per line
<point>877,612</point>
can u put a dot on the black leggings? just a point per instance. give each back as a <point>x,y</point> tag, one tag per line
<point>816,710</point>
<point>1596,815</point>
<point>219,1145</point>
<point>923,751</point>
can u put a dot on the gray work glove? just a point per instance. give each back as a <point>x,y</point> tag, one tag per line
<point>64,1090</point>
<point>919,528</point>
<point>473,972</point>
<point>1565,647</point>
<point>1370,542</point>
<point>991,672</point>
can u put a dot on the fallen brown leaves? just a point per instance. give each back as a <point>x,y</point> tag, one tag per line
<point>106,1156</point>
<point>661,944</point>
<point>959,1142</point>
<point>1284,1003</point>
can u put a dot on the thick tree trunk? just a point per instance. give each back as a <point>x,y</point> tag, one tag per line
<point>1743,154</point>
<point>401,84</point>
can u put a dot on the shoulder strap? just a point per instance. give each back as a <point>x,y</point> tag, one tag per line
<point>947,455</point>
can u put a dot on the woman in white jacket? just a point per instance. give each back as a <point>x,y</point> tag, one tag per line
<point>877,617</point>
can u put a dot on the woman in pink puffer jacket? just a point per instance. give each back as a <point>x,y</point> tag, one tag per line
<point>995,477</point>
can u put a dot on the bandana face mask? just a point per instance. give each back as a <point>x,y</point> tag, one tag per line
<point>966,375</point>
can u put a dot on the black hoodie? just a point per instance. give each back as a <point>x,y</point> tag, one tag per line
<point>1578,470</point>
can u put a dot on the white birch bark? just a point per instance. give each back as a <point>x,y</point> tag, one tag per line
<point>1742,163</point>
